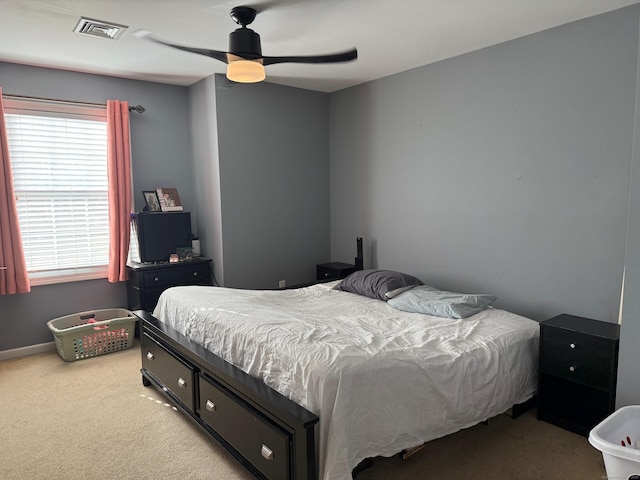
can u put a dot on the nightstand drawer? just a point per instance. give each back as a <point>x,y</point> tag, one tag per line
<point>578,371</point>
<point>578,358</point>
<point>147,281</point>
<point>334,271</point>
<point>191,274</point>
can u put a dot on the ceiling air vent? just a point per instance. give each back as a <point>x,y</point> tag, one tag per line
<point>98,28</point>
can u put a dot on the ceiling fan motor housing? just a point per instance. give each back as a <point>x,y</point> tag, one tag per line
<point>245,43</point>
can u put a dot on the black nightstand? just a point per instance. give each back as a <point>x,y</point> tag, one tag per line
<point>334,271</point>
<point>578,371</point>
<point>147,281</point>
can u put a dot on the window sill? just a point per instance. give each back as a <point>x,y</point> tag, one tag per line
<point>66,276</point>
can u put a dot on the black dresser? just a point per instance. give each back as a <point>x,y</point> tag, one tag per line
<point>147,281</point>
<point>578,371</point>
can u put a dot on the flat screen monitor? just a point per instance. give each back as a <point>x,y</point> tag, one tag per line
<point>159,234</point>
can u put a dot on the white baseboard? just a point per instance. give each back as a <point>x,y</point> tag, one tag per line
<point>30,350</point>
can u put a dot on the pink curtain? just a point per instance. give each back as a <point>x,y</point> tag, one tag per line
<point>13,268</point>
<point>119,172</point>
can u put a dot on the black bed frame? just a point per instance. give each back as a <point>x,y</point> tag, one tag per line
<point>272,436</point>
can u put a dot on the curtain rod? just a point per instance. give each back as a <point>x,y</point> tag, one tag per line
<point>136,108</point>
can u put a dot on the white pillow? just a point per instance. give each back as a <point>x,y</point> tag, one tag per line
<point>431,301</point>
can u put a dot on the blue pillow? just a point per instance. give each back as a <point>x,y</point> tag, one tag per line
<point>380,284</point>
<point>430,301</point>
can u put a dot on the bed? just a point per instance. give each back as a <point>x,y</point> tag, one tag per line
<point>329,377</point>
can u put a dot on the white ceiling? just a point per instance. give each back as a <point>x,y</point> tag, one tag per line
<point>391,35</point>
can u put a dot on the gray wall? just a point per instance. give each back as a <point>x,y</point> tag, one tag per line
<point>505,170</point>
<point>206,171</point>
<point>161,156</point>
<point>629,359</point>
<point>272,208</point>
<point>24,317</point>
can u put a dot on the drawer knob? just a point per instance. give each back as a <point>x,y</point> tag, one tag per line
<point>195,274</point>
<point>326,274</point>
<point>155,279</point>
<point>267,452</point>
<point>182,382</point>
<point>572,345</point>
<point>210,406</point>
<point>150,356</point>
<point>572,368</point>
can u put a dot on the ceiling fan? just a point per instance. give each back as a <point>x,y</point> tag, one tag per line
<point>245,62</point>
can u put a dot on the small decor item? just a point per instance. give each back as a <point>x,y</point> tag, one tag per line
<point>169,200</point>
<point>173,258</point>
<point>195,246</point>
<point>153,204</point>
<point>184,254</point>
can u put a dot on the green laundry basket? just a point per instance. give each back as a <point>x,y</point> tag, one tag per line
<point>93,333</point>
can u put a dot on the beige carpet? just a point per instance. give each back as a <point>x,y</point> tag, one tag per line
<point>93,419</point>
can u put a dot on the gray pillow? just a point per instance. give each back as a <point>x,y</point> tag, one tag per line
<point>428,300</point>
<point>380,284</point>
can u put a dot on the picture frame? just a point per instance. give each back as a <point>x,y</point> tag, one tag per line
<point>151,199</point>
<point>169,200</point>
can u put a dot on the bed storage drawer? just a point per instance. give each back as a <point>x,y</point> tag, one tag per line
<point>173,373</point>
<point>254,436</point>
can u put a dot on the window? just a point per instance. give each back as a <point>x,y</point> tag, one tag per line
<point>58,154</point>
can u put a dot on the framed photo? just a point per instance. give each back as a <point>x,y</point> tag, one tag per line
<point>150,196</point>
<point>169,200</point>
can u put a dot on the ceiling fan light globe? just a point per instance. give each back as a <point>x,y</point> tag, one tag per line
<point>246,71</point>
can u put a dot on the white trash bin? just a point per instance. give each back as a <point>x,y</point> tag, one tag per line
<point>618,438</point>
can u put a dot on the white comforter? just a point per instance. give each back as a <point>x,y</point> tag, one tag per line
<point>380,380</point>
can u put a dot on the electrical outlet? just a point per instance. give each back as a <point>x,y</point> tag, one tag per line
<point>282,283</point>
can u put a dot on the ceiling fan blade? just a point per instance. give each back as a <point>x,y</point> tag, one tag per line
<point>346,56</point>
<point>216,54</point>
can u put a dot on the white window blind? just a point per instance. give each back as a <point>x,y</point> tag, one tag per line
<point>58,154</point>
